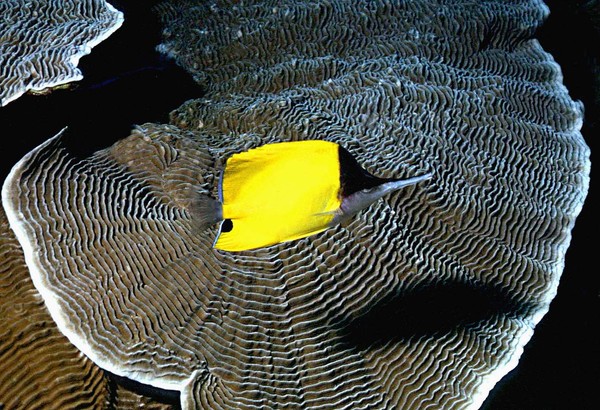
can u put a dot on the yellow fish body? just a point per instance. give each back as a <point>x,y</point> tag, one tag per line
<point>279,192</point>
<point>290,190</point>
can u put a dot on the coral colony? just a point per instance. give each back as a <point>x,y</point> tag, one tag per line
<point>424,299</point>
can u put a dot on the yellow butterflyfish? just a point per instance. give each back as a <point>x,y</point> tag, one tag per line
<point>289,190</point>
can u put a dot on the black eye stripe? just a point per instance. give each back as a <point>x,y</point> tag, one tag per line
<point>353,177</point>
<point>227,225</point>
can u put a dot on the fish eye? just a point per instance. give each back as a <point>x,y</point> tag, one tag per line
<point>227,225</point>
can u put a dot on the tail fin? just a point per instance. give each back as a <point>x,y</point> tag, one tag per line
<point>204,212</point>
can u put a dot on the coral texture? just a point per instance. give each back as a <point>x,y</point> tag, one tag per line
<point>39,368</point>
<point>424,300</point>
<point>42,41</point>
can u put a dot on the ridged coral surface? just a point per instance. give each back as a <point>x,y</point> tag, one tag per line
<point>423,301</point>
<point>41,41</point>
<point>39,368</point>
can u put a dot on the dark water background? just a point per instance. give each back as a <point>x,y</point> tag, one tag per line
<point>560,367</point>
<point>127,82</point>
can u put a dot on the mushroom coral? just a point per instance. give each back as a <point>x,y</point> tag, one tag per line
<point>424,300</point>
<point>39,367</point>
<point>34,356</point>
<point>42,41</point>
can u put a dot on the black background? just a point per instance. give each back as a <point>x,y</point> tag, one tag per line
<point>560,367</point>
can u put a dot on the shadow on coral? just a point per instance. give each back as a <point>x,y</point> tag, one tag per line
<point>160,396</point>
<point>428,310</point>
